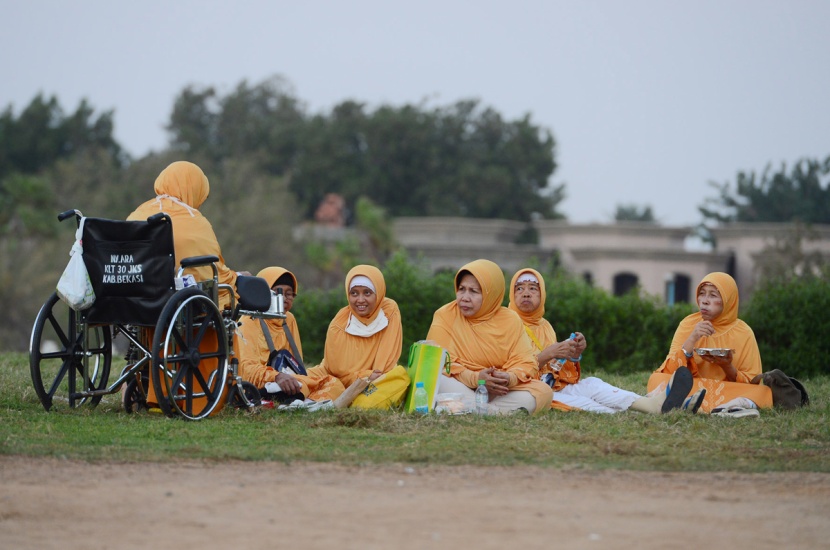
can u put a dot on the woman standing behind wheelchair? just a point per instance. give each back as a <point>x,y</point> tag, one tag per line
<point>181,188</point>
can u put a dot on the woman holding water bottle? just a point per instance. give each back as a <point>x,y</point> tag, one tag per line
<point>559,362</point>
<point>486,342</point>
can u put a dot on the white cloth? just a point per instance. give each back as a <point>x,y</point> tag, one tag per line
<point>362,280</point>
<point>189,208</point>
<point>594,395</point>
<point>527,277</point>
<point>505,404</point>
<point>357,328</point>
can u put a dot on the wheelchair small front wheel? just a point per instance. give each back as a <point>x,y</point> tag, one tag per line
<point>190,356</point>
<point>59,343</point>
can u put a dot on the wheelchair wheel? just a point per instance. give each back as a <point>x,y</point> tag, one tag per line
<point>190,352</point>
<point>251,394</point>
<point>56,355</point>
<point>133,400</point>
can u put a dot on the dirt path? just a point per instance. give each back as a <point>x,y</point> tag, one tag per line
<point>49,503</point>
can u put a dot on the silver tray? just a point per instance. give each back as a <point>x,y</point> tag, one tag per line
<point>714,352</point>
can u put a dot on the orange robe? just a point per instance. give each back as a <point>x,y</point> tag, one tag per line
<point>730,332</point>
<point>542,335</point>
<point>494,337</point>
<point>181,188</point>
<point>348,357</point>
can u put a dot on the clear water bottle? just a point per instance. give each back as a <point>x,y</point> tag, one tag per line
<point>421,399</point>
<point>557,366</point>
<point>482,398</point>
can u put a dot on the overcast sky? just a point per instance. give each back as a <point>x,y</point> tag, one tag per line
<point>647,100</point>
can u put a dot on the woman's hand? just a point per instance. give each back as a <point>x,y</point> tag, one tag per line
<point>701,330</point>
<point>581,344</point>
<point>495,381</point>
<point>560,350</point>
<point>288,383</point>
<point>375,375</point>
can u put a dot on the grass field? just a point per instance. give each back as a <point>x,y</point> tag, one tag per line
<point>778,441</point>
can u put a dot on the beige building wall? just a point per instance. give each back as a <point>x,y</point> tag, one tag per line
<point>654,254</point>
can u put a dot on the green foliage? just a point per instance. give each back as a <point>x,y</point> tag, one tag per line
<point>802,195</point>
<point>314,310</point>
<point>459,160</point>
<point>629,333</point>
<point>42,134</point>
<point>791,324</point>
<point>634,213</point>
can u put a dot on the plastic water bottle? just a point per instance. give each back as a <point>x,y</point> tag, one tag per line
<point>561,362</point>
<point>482,398</point>
<point>421,399</point>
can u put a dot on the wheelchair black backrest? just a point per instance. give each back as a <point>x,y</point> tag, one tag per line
<point>132,268</point>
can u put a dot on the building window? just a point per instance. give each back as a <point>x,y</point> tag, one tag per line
<point>624,282</point>
<point>588,277</point>
<point>677,288</point>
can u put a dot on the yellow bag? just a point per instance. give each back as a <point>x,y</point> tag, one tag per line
<point>426,362</point>
<point>385,391</point>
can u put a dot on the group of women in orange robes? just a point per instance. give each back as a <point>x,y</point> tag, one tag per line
<point>486,342</point>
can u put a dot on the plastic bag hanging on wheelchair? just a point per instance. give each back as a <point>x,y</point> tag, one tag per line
<point>75,286</point>
<point>282,361</point>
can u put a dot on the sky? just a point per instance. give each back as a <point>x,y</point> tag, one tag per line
<point>648,100</point>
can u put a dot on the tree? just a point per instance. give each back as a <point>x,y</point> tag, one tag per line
<point>802,195</point>
<point>42,135</point>
<point>632,212</point>
<point>260,121</point>
<point>460,160</point>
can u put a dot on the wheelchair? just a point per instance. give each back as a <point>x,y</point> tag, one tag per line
<point>181,346</point>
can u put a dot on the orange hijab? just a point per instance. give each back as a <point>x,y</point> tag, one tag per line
<point>349,357</point>
<point>181,188</point>
<point>540,327</point>
<point>493,337</point>
<point>730,332</point>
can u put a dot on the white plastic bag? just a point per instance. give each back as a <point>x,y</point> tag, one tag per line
<point>74,286</point>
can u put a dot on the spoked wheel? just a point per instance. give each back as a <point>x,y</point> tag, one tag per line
<point>251,393</point>
<point>56,356</point>
<point>190,356</point>
<point>134,400</point>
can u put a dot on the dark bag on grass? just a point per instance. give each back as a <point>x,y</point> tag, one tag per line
<point>787,392</point>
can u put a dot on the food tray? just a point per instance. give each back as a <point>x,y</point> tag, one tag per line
<point>714,352</point>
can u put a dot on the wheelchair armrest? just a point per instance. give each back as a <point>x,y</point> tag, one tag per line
<point>196,261</point>
<point>254,293</point>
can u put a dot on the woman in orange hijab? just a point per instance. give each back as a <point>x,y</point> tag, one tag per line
<point>570,390</point>
<point>181,188</point>
<point>486,341</point>
<point>726,379</point>
<point>364,341</point>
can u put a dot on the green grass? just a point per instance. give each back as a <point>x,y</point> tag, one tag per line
<point>778,441</point>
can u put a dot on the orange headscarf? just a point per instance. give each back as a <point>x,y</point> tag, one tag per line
<point>730,332</point>
<point>181,188</point>
<point>493,337</point>
<point>348,357</point>
<point>543,333</point>
<point>535,321</point>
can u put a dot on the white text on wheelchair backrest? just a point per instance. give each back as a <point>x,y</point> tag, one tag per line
<point>122,269</point>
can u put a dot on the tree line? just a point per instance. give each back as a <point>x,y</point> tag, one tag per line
<point>271,163</point>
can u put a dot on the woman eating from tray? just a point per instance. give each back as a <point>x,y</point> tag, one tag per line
<point>720,350</point>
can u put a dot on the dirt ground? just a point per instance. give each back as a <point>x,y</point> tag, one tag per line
<point>51,503</point>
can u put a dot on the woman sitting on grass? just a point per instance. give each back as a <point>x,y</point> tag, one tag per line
<point>486,341</point>
<point>726,378</point>
<point>364,341</point>
<point>570,390</point>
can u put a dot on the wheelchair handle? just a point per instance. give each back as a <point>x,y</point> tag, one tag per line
<point>68,214</point>
<point>157,218</point>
